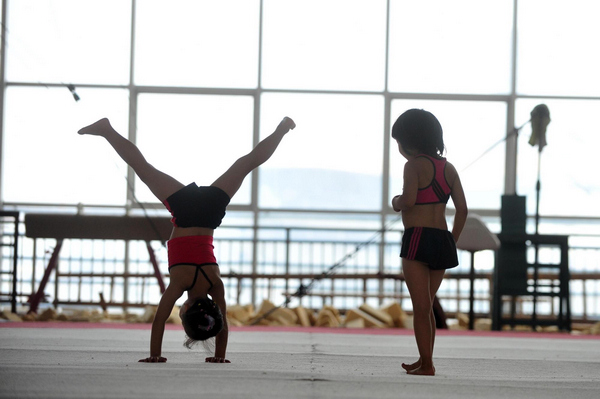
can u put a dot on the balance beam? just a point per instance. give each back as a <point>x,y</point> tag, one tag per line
<point>61,226</point>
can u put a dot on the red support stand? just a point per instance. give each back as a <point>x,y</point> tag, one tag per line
<point>35,299</point>
<point>154,262</point>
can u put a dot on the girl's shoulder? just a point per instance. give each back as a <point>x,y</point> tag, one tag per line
<point>450,173</point>
<point>450,167</point>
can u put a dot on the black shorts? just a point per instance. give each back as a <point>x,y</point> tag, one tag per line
<point>435,247</point>
<point>194,206</point>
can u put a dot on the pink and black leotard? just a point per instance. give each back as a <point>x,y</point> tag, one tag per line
<point>434,247</point>
<point>438,191</point>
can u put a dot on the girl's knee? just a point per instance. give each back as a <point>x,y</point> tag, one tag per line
<point>242,167</point>
<point>423,310</point>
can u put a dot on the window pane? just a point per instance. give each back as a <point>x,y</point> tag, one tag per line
<point>194,138</point>
<point>324,45</point>
<point>569,183</point>
<point>46,161</point>
<point>319,220</point>
<point>558,48</point>
<point>470,128</point>
<point>332,160</point>
<point>69,41</point>
<point>459,46</point>
<point>197,43</point>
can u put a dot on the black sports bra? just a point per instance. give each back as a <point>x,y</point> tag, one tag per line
<point>198,268</point>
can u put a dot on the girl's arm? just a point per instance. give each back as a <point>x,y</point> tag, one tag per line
<point>460,204</point>
<point>409,190</point>
<point>218,294</point>
<point>165,307</point>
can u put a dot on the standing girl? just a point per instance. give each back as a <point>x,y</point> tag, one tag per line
<point>197,212</point>
<point>428,248</point>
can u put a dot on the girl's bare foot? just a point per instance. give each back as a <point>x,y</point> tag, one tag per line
<point>98,128</point>
<point>413,366</point>
<point>286,124</point>
<point>422,370</point>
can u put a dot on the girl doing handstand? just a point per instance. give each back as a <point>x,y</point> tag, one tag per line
<point>197,212</point>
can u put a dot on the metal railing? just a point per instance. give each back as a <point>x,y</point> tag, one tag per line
<point>268,263</point>
<point>9,244</point>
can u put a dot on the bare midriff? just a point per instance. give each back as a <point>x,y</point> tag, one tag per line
<point>431,215</point>
<point>191,231</point>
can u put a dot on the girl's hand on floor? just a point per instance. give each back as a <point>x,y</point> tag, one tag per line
<point>216,360</point>
<point>153,359</point>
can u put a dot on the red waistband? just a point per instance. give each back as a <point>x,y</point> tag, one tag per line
<point>191,250</point>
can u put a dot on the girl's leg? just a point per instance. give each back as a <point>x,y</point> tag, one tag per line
<point>417,364</point>
<point>435,280</point>
<point>161,184</point>
<point>231,180</point>
<point>417,277</point>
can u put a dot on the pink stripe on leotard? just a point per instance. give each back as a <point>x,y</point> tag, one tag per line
<point>414,243</point>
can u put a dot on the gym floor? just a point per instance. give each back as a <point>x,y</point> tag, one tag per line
<point>84,360</point>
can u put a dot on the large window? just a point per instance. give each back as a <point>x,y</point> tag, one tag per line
<point>45,161</point>
<point>194,138</point>
<point>568,163</point>
<point>333,160</point>
<point>197,43</point>
<point>459,46</point>
<point>196,84</point>
<point>558,51</point>
<point>72,41</point>
<point>324,45</point>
